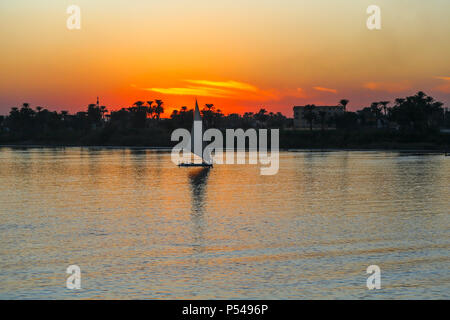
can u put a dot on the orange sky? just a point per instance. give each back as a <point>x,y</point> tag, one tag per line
<point>239,55</point>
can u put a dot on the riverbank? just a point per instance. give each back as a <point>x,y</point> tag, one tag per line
<point>159,138</point>
<point>166,149</point>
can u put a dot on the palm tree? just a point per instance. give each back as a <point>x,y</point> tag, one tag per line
<point>374,107</point>
<point>26,111</point>
<point>400,100</point>
<point>64,114</point>
<point>421,95</point>
<point>150,109</point>
<point>376,111</point>
<point>344,103</point>
<point>103,110</point>
<point>261,115</point>
<point>141,108</point>
<point>384,105</point>
<point>208,114</point>
<point>138,104</point>
<point>158,109</point>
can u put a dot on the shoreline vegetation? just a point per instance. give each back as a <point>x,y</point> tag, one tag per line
<point>417,123</point>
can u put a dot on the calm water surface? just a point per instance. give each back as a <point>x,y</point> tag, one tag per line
<point>140,227</point>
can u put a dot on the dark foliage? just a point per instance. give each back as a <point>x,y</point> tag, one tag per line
<point>412,122</point>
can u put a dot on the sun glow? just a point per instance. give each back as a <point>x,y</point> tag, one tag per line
<point>241,56</point>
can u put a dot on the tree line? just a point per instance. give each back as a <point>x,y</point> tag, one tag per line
<point>418,113</point>
<point>128,125</point>
<point>418,117</point>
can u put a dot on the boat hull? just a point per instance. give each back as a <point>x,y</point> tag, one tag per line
<point>207,165</point>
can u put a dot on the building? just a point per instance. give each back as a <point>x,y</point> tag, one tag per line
<point>328,112</point>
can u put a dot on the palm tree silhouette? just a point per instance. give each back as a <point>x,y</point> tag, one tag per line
<point>103,110</point>
<point>150,108</point>
<point>384,105</point>
<point>376,111</point>
<point>138,104</point>
<point>158,109</point>
<point>344,103</point>
<point>208,114</point>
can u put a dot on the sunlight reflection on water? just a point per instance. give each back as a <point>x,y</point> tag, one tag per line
<point>140,227</point>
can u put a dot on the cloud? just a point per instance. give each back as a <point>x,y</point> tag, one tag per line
<point>193,91</point>
<point>322,89</point>
<point>220,89</point>
<point>391,87</point>
<point>226,84</point>
<point>445,86</point>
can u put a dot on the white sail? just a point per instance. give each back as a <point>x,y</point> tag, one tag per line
<point>197,143</point>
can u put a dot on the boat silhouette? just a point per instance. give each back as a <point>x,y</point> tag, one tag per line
<point>197,145</point>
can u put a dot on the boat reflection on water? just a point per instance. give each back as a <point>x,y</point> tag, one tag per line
<point>198,178</point>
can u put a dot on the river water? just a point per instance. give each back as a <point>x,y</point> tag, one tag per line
<point>139,227</point>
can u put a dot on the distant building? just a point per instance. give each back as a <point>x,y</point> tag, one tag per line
<point>330,111</point>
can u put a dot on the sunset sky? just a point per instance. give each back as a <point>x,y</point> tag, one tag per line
<point>240,55</point>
